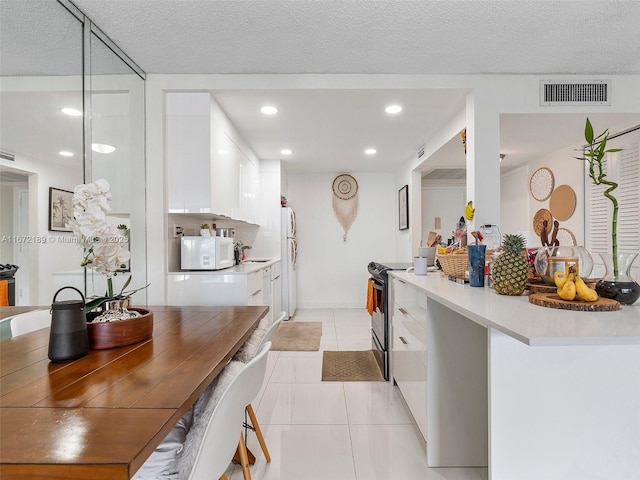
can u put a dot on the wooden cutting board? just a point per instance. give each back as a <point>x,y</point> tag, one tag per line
<point>552,300</point>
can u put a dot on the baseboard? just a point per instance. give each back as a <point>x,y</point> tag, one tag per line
<point>321,305</point>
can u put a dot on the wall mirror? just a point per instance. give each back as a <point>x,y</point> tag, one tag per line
<point>43,67</point>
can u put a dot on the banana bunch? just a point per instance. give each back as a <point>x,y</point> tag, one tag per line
<point>469,211</point>
<point>571,285</point>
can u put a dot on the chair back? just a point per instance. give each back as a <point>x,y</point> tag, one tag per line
<point>272,330</point>
<point>30,321</point>
<point>221,436</point>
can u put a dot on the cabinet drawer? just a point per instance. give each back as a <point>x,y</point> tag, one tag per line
<point>408,366</point>
<point>254,282</point>
<point>410,300</point>
<point>256,298</point>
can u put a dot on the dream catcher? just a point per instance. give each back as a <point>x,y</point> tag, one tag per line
<point>345,201</point>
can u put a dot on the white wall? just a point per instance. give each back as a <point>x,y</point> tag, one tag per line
<point>333,273</point>
<point>497,93</point>
<point>519,207</point>
<point>514,202</point>
<point>49,252</point>
<point>443,201</point>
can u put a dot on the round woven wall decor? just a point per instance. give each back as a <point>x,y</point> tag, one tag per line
<point>345,186</point>
<point>345,201</point>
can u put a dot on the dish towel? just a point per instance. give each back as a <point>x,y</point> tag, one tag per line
<point>370,297</point>
<point>4,293</point>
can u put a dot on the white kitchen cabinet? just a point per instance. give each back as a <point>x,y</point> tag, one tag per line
<point>249,190</point>
<point>409,349</point>
<point>240,285</point>
<point>225,173</point>
<point>207,171</point>
<point>188,148</point>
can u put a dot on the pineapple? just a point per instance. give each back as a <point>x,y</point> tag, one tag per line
<point>510,269</point>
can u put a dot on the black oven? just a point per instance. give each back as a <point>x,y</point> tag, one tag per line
<point>380,332</point>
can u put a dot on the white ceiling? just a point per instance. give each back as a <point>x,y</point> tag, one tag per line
<point>329,129</point>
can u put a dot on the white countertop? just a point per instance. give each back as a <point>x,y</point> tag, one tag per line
<point>530,324</point>
<point>249,266</point>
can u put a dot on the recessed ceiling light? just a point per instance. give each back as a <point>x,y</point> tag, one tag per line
<point>370,151</point>
<point>102,148</point>
<point>269,110</point>
<point>393,109</point>
<point>71,111</point>
<point>286,151</point>
<point>65,153</point>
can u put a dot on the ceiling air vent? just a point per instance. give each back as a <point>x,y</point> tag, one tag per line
<point>7,156</point>
<point>588,92</point>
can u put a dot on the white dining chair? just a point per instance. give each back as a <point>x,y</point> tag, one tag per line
<point>220,439</point>
<point>30,321</point>
<point>253,424</point>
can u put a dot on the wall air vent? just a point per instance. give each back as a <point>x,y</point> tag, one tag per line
<point>421,152</point>
<point>7,156</point>
<point>588,92</point>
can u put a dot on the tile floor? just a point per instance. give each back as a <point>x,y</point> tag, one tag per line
<point>336,430</point>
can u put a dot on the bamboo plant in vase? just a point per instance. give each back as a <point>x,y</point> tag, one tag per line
<point>617,284</point>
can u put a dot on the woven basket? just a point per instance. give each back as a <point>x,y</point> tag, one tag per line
<point>454,264</point>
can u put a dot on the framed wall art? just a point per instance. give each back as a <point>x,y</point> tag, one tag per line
<point>60,209</point>
<point>403,207</point>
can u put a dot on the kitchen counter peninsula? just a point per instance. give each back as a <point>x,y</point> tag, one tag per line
<point>102,415</point>
<point>532,392</point>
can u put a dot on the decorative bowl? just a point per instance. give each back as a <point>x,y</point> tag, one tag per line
<point>121,332</point>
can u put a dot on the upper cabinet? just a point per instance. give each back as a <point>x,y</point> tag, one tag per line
<point>208,172</point>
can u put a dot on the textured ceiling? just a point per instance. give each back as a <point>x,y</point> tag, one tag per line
<point>371,36</point>
<point>329,129</point>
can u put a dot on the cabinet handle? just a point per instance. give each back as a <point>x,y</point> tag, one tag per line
<point>401,281</point>
<point>255,293</point>
<point>402,311</point>
<point>404,341</point>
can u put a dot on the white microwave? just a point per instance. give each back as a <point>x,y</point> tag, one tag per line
<point>206,253</point>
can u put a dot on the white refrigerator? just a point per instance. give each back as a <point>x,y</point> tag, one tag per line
<point>289,256</point>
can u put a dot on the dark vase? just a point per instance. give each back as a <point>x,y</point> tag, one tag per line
<point>622,288</point>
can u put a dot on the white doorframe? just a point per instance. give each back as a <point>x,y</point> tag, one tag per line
<point>21,249</point>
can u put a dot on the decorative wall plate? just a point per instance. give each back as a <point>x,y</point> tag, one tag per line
<point>541,184</point>
<point>566,237</point>
<point>562,203</point>
<point>538,219</point>
<point>345,186</point>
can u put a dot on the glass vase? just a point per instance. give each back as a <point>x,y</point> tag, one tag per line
<point>621,287</point>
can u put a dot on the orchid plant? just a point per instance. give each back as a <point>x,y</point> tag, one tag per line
<point>105,248</point>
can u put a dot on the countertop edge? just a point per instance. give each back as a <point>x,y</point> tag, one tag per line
<point>533,325</point>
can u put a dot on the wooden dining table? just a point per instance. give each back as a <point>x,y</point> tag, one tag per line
<point>101,416</point>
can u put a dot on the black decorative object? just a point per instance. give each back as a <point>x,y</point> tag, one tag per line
<point>69,339</point>
<point>403,207</point>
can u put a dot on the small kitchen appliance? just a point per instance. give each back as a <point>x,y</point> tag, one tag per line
<point>206,253</point>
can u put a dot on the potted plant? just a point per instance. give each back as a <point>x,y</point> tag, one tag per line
<point>103,251</point>
<point>617,283</point>
<point>204,230</point>
<point>122,229</point>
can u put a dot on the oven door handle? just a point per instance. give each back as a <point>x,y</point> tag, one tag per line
<point>377,286</point>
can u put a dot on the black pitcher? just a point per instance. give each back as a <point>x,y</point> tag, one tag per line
<point>69,338</point>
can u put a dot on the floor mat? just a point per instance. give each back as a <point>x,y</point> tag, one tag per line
<point>350,366</point>
<point>297,336</point>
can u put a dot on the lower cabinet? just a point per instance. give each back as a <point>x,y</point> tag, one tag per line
<point>216,288</point>
<point>409,349</point>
